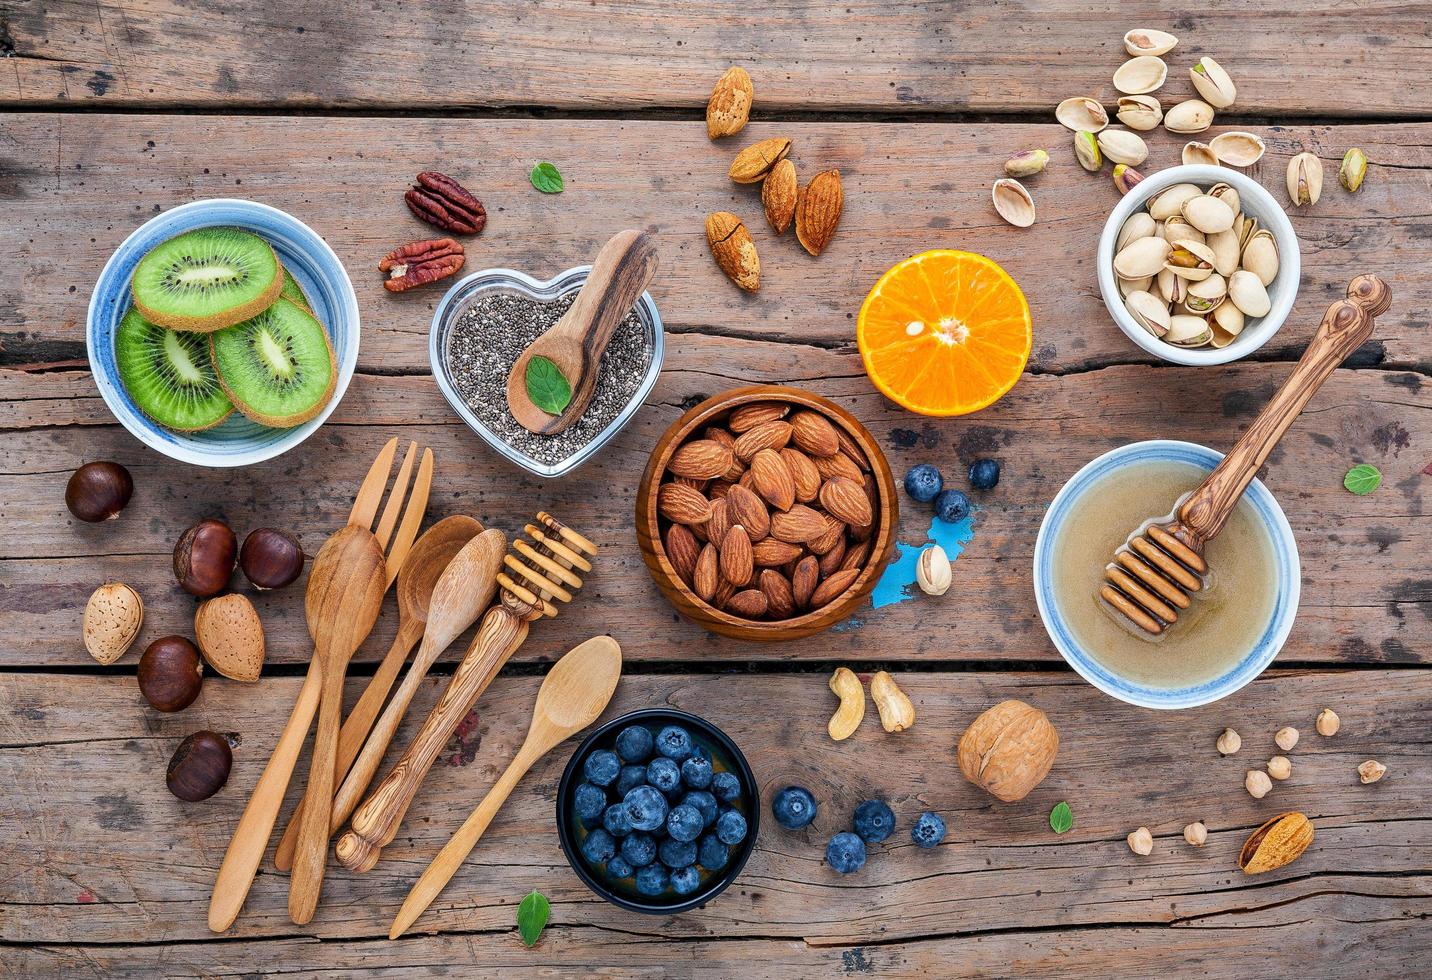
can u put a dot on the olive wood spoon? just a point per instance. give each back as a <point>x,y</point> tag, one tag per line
<point>425,563</point>
<point>573,694</point>
<point>620,273</point>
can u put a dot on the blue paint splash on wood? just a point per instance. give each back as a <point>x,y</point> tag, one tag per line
<point>898,582</point>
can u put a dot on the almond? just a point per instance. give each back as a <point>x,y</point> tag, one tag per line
<point>735,471</point>
<point>770,553</point>
<point>815,434</point>
<point>833,587</point>
<point>829,467</point>
<point>707,576</point>
<point>772,480</point>
<point>750,603</point>
<point>230,636</point>
<point>778,195</point>
<point>719,489</point>
<point>719,522</point>
<point>703,459</point>
<point>723,595</point>
<point>698,485</point>
<point>855,556</point>
<point>682,550</point>
<point>807,478</point>
<point>749,511</point>
<point>780,600</point>
<point>767,435</point>
<point>851,448</point>
<point>736,559</point>
<point>112,619</point>
<point>755,161</point>
<point>818,211</point>
<point>733,249</point>
<point>804,580</point>
<point>680,504</point>
<point>798,525</point>
<point>729,107</point>
<point>845,500</point>
<point>832,535</point>
<point>717,434</point>
<point>749,416</point>
<point>830,561</point>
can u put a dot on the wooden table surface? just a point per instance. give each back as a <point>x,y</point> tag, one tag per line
<point>114,110</point>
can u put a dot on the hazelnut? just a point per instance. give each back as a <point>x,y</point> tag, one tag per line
<point>270,558</point>
<point>98,491</point>
<point>170,673</point>
<point>1370,771</point>
<point>1257,783</point>
<point>1229,742</point>
<point>200,765</point>
<point>1195,833</point>
<point>1141,842</point>
<point>1286,738</point>
<point>1279,767</point>
<point>1328,722</point>
<point>204,558</point>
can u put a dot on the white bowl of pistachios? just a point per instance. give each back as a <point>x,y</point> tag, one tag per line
<point>1198,265</point>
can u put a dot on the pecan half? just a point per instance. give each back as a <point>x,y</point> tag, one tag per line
<point>419,263</point>
<point>444,203</point>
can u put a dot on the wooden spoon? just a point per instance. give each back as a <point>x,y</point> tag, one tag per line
<point>431,554</point>
<point>620,274</point>
<point>574,693</point>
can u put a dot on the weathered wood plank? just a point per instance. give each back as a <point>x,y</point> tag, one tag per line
<point>870,55</point>
<point>96,851</point>
<point>1366,595</point>
<point>75,186</point>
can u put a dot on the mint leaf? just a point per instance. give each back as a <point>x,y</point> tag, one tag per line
<point>546,178</point>
<point>546,387</point>
<point>1060,819</point>
<point>532,917</point>
<point>1362,479</point>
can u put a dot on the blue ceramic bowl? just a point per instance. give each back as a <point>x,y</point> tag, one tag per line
<point>238,441</point>
<point>1285,557</point>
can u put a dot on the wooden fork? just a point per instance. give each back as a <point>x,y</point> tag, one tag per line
<point>251,836</point>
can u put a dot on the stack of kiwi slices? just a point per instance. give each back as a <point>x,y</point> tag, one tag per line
<point>218,324</point>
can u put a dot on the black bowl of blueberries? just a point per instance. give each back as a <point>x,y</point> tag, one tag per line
<point>657,811</point>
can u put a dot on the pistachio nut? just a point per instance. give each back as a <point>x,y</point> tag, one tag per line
<point>1260,256</point>
<point>1170,287</point>
<point>1225,251</point>
<point>1026,163</point>
<point>1208,214</point>
<point>1191,116</point>
<point>1127,286</point>
<point>1247,226</point>
<point>1206,294</point>
<point>1086,150</point>
<point>1199,154</point>
<point>1141,112</point>
<point>1177,227</point>
<point>1148,311</point>
<point>933,572</point>
<point>1125,177</point>
<point>1352,171</point>
<point>1141,41</point>
<point>1139,225</point>
<point>1082,114</point>
<point>1122,146</point>
<point>1305,179</point>
<point>1013,202</point>
<point>1227,323</point>
<point>1237,149</point>
<point>1213,83</point>
<point>1188,331</point>
<point>1228,194</point>
<point>1190,260</point>
<point>1169,202</point>
<point>1144,257</point>
<point>1245,291</point>
<point>1278,842</point>
<point>1141,75</point>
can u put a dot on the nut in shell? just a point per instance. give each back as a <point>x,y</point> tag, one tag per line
<point>932,571</point>
<point>733,250</point>
<point>1278,842</point>
<point>1305,179</point>
<point>1013,202</point>
<point>1122,146</point>
<point>112,620</point>
<point>231,636</point>
<point>729,107</point>
<point>1148,312</point>
<point>818,209</point>
<point>897,713</point>
<point>756,160</point>
<point>1142,257</point>
<point>1191,116</point>
<point>778,195</point>
<point>1082,114</point>
<point>1213,83</point>
<point>1008,750</point>
<point>1141,112</point>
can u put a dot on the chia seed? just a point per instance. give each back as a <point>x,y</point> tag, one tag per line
<point>494,331</point>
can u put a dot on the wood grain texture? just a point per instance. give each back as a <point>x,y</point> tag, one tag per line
<point>97,852</point>
<point>802,54</point>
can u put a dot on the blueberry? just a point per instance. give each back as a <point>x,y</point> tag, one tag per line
<point>602,767</point>
<point>684,823</point>
<point>675,743</point>
<point>696,771</point>
<point>598,846</point>
<point>726,787</point>
<point>589,801</point>
<point>664,774</point>
<point>929,830</point>
<point>713,854</point>
<point>845,853</point>
<point>874,821</point>
<point>705,803</point>
<point>685,881</point>
<point>630,778</point>
<point>639,850</point>
<point>652,880</point>
<point>619,867</point>
<point>794,807</point>
<point>984,474</point>
<point>731,827</point>
<point>616,820</point>
<point>645,808</point>
<point>634,744</point>
<point>676,853</point>
<point>922,482</point>
<point>952,506</point>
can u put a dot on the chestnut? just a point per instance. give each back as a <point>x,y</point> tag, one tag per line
<point>204,558</point>
<point>270,558</point>
<point>170,672</point>
<point>200,765</point>
<point>98,491</point>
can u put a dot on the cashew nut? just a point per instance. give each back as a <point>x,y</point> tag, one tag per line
<point>896,711</point>
<point>847,717</point>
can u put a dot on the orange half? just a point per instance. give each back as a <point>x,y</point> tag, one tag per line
<point>945,333</point>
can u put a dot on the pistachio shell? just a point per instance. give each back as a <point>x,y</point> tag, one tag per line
<point>1188,331</point>
<point>1260,256</point>
<point>1305,179</point>
<point>1227,323</point>
<point>1026,163</point>
<point>1177,227</point>
<point>1237,149</point>
<point>1141,112</point>
<point>1228,194</point>
<point>1143,257</point>
<point>1199,154</point>
<point>1122,146</point>
<point>1191,116</point>
<point>1247,226</point>
<point>1143,41</point>
<point>1013,202</point>
<point>1190,260</point>
<point>1172,288</point>
<point>1224,245</point>
<point>1139,225</point>
<point>1169,202</point>
<point>1082,113</point>
<point>1245,291</point>
<point>1208,214</point>
<point>1213,83</point>
<point>1352,171</point>
<point>1086,151</point>
<point>1128,286</point>
<point>1278,842</point>
<point>1148,311</point>
<point>1141,75</point>
<point>1206,294</point>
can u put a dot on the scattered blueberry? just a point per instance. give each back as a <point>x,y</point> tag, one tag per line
<point>598,846</point>
<point>589,801</point>
<point>685,881</point>
<point>705,803</point>
<point>619,867</point>
<point>845,853</point>
<point>652,879</point>
<point>646,808</point>
<point>664,774</point>
<point>984,474</point>
<point>952,506</point>
<point>684,823</point>
<point>634,744</point>
<point>630,778</point>
<point>874,821</point>
<point>616,820</point>
<point>922,482</point>
<point>602,767</point>
<point>929,830</point>
<point>639,850</point>
<point>794,807</point>
<point>713,854</point>
<point>731,827</point>
<point>675,743</point>
<point>726,787</point>
<point>676,853</point>
<point>696,771</point>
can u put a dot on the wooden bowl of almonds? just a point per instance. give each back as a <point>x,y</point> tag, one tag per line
<point>766,513</point>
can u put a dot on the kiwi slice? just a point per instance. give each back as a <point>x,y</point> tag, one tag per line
<point>278,367</point>
<point>293,292</point>
<point>169,375</point>
<point>207,279</point>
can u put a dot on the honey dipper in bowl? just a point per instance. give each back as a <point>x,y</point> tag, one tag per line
<point>1161,568</point>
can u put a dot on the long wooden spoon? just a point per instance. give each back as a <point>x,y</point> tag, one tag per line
<point>574,693</point>
<point>431,554</point>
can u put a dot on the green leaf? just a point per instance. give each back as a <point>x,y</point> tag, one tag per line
<point>546,178</point>
<point>1060,819</point>
<point>532,917</point>
<point>1362,479</point>
<point>546,387</point>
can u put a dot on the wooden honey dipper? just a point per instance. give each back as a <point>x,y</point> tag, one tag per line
<point>1154,575</point>
<point>541,574</point>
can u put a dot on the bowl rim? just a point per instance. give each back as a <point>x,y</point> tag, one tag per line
<point>1270,215</point>
<point>749,788</point>
<point>1285,547</point>
<point>191,451</point>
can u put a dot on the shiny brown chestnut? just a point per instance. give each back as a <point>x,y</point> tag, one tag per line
<point>204,558</point>
<point>98,491</point>
<point>270,558</point>
<point>200,765</point>
<point>170,673</point>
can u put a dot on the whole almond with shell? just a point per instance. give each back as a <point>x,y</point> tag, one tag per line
<point>749,511</point>
<point>750,603</point>
<point>803,472</point>
<point>833,586</point>
<point>737,564</point>
<point>767,435</point>
<point>770,553</point>
<point>733,250</point>
<point>707,577</point>
<point>749,416</point>
<point>231,636</point>
<point>814,434</point>
<point>682,550</point>
<point>755,161</point>
<point>703,459</point>
<point>779,190</point>
<point>780,600</point>
<point>680,504</point>
<point>845,500</point>
<point>729,107</point>
<point>818,211</point>
<point>798,525</point>
<point>772,479</point>
<point>804,580</point>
